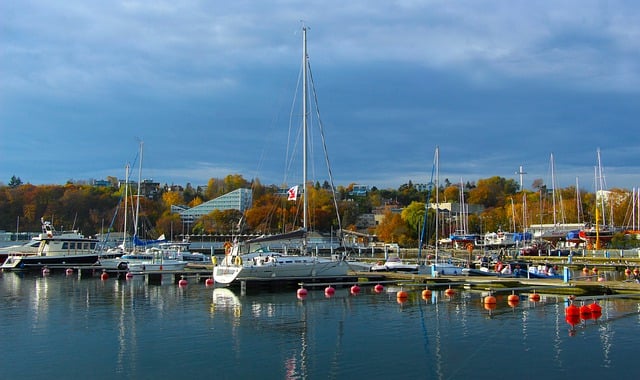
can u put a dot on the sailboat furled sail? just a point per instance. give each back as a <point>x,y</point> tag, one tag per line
<point>267,264</point>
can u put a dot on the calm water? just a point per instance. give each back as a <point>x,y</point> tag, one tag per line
<point>64,327</point>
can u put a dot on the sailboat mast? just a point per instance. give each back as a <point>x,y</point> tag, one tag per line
<point>135,227</point>
<point>305,201</point>
<point>437,160</point>
<point>126,195</point>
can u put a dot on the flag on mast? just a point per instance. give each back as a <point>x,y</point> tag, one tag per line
<point>292,193</point>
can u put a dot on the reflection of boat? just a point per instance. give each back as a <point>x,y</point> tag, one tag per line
<point>394,264</point>
<point>55,248</point>
<point>266,264</point>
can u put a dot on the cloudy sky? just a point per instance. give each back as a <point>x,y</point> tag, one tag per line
<point>209,87</point>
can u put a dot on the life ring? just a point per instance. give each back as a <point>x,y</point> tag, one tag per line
<point>227,247</point>
<point>238,261</point>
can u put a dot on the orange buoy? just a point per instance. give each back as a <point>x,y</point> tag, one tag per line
<point>489,299</point>
<point>535,297</point>
<point>585,270</point>
<point>329,291</point>
<point>489,306</point>
<point>208,282</point>
<point>104,276</point>
<point>513,300</point>
<point>355,289</point>
<point>182,282</point>
<point>402,296</point>
<point>301,293</point>
<point>378,288</point>
<point>426,294</point>
<point>449,292</point>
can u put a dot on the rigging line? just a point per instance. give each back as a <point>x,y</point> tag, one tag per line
<point>324,147</point>
<point>426,210</point>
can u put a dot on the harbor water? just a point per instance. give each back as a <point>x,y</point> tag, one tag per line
<point>62,326</point>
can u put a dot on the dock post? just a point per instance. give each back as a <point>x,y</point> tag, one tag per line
<point>566,275</point>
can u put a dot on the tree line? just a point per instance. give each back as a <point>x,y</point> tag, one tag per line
<point>93,209</point>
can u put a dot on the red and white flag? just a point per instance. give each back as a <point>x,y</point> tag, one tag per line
<point>292,193</point>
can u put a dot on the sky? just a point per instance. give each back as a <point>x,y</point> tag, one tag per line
<point>208,86</point>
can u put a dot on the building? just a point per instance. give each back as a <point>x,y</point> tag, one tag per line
<point>239,199</point>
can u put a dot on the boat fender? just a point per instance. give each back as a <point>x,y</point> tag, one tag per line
<point>238,260</point>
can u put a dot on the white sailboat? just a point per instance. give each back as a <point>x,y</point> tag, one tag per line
<point>438,266</point>
<point>266,264</point>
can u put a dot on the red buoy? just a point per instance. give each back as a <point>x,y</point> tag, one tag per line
<point>449,292</point>
<point>355,289</point>
<point>490,306</point>
<point>182,282</point>
<point>595,307</point>
<point>572,319</point>
<point>627,272</point>
<point>208,282</point>
<point>426,294</point>
<point>104,276</point>
<point>329,291</point>
<point>572,310</point>
<point>301,293</point>
<point>585,270</point>
<point>585,312</point>
<point>378,288</point>
<point>128,276</point>
<point>636,271</point>
<point>535,297</point>
<point>68,271</point>
<point>45,271</point>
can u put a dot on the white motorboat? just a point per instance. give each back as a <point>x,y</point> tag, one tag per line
<point>54,248</point>
<point>394,264</point>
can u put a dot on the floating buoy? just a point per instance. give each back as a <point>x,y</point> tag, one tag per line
<point>513,300</point>
<point>572,310</point>
<point>449,292</point>
<point>535,297</point>
<point>378,288</point>
<point>128,276</point>
<point>426,294</point>
<point>585,312</point>
<point>489,299</point>
<point>490,306</point>
<point>208,282</point>
<point>627,272</point>
<point>572,319</point>
<point>402,296</point>
<point>45,271</point>
<point>595,307</point>
<point>595,270</point>
<point>585,270</point>
<point>329,291</point>
<point>636,271</point>
<point>104,276</point>
<point>301,293</point>
<point>182,282</point>
<point>355,289</point>
<point>68,271</point>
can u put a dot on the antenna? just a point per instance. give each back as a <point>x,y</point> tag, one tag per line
<point>521,172</point>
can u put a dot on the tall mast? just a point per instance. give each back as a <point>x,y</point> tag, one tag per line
<point>437,161</point>
<point>126,195</point>
<point>304,133</point>
<point>135,227</point>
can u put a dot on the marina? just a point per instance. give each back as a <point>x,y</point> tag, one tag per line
<point>128,328</point>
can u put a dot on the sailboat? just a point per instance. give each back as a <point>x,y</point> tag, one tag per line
<point>599,234</point>
<point>266,264</point>
<point>151,259</point>
<point>438,267</point>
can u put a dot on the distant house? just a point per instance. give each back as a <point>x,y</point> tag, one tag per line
<point>239,199</point>
<point>359,190</point>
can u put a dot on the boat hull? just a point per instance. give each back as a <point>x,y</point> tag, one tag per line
<point>227,274</point>
<point>38,262</point>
